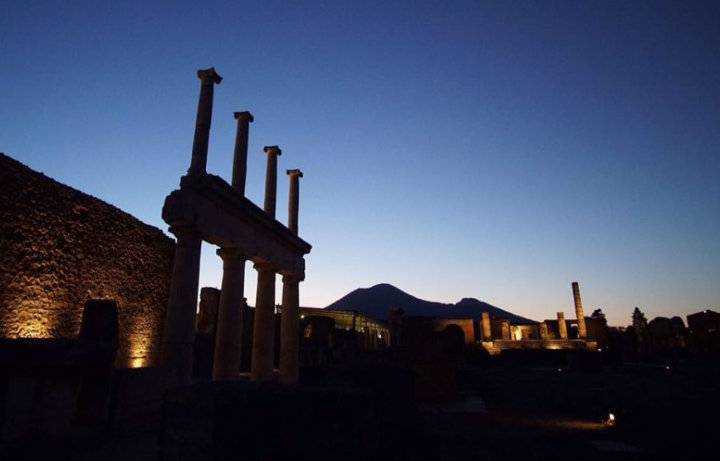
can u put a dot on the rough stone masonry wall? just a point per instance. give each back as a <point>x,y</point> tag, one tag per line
<point>60,247</point>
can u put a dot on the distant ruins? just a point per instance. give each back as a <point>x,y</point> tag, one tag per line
<point>207,208</point>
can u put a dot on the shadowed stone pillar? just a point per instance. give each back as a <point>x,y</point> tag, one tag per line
<point>179,331</point>
<point>289,331</point>
<point>228,339</point>
<point>294,205</point>
<point>505,328</point>
<point>582,328</point>
<point>486,331</point>
<point>271,179</point>
<point>261,369</point>
<point>543,331</point>
<point>562,326</point>
<point>241,148</point>
<point>209,78</point>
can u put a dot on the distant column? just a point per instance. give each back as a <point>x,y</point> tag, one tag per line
<point>505,329</point>
<point>271,179</point>
<point>289,331</point>
<point>179,331</point>
<point>294,204</point>
<point>543,331</point>
<point>241,149</point>
<point>261,369</point>
<point>208,78</point>
<point>486,331</point>
<point>582,328</point>
<point>228,340</point>
<point>562,326</point>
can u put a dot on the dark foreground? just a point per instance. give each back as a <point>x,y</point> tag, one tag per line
<point>502,412</point>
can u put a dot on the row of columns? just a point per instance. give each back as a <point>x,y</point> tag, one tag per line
<point>179,333</point>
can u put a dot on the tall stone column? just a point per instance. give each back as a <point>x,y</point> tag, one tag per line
<point>294,204</point>
<point>208,78</point>
<point>289,331</point>
<point>228,339</point>
<point>486,331</point>
<point>241,149</point>
<point>562,326</point>
<point>582,328</point>
<point>179,331</point>
<point>271,179</point>
<point>261,369</point>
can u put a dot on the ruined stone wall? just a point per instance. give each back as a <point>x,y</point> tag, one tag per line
<point>60,247</point>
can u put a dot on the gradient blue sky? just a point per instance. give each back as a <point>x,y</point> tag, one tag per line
<point>496,150</point>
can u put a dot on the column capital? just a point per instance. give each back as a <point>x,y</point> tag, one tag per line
<point>185,235</point>
<point>290,278</point>
<point>229,254</point>
<point>242,116</point>
<point>293,173</point>
<point>272,150</point>
<point>209,76</point>
<point>264,266</point>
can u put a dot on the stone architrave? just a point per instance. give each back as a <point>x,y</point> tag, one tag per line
<point>228,340</point>
<point>562,326</point>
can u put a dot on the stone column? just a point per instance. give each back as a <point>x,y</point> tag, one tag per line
<point>271,179</point>
<point>228,339</point>
<point>582,328</point>
<point>543,331</point>
<point>179,331</point>
<point>209,78</point>
<point>289,331</point>
<point>294,204</point>
<point>562,326</point>
<point>486,331</point>
<point>264,327</point>
<point>505,325</point>
<point>241,148</point>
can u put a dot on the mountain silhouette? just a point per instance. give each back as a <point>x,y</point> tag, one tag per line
<point>375,302</point>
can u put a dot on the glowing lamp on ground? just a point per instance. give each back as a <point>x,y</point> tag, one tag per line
<point>611,420</point>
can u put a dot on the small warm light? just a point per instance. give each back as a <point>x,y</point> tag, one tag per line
<point>667,367</point>
<point>302,316</point>
<point>611,420</point>
<point>137,362</point>
<point>559,369</point>
<point>599,349</point>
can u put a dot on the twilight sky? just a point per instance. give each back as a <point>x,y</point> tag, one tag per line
<point>487,149</point>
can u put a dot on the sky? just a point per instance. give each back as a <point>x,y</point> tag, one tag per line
<point>487,149</point>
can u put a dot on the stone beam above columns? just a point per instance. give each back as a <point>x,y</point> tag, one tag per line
<point>209,78</point>
<point>223,218</point>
